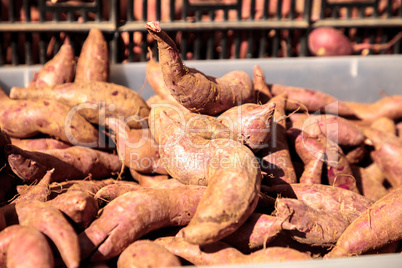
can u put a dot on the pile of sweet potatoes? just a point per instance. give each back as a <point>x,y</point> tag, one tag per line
<point>212,171</point>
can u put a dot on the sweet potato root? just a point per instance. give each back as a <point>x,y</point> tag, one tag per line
<point>71,163</point>
<point>220,253</point>
<point>34,144</point>
<point>112,191</point>
<point>93,100</point>
<point>321,196</point>
<point>50,221</point>
<point>194,90</point>
<point>93,62</point>
<point>136,147</point>
<point>276,160</point>
<point>59,70</point>
<point>134,214</point>
<point>228,168</point>
<point>263,95</point>
<point>252,122</point>
<point>38,192</point>
<point>23,246</point>
<point>146,253</point>
<point>311,226</point>
<point>370,179</point>
<point>80,207</point>
<point>387,154</point>
<point>45,116</point>
<point>377,226</point>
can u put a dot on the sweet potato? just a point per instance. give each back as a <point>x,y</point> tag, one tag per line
<point>370,181</point>
<point>93,100</point>
<point>136,147</point>
<point>257,232</point>
<point>229,169</point>
<point>148,180</point>
<point>387,154</point>
<point>93,62</point>
<point>146,253</point>
<point>328,41</point>
<point>194,90</point>
<point>38,192</point>
<point>311,226</point>
<point>321,196</point>
<point>50,221</point>
<point>34,144</point>
<point>80,207</point>
<point>59,70</point>
<point>45,116</point>
<point>220,253</point>
<point>71,163</point>
<point>252,122</point>
<point>134,214</point>
<point>389,106</point>
<point>112,191</point>
<point>276,160</point>
<point>263,95</point>
<point>22,246</point>
<point>377,226</point>
<point>312,100</point>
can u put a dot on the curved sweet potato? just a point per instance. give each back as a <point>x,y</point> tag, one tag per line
<point>22,246</point>
<point>43,116</point>
<point>71,163</point>
<point>50,221</point>
<point>93,100</point>
<point>93,62</point>
<point>146,253</point>
<point>59,70</point>
<point>134,214</point>
<point>263,95</point>
<point>194,90</point>
<point>377,226</point>
<point>38,192</point>
<point>230,170</point>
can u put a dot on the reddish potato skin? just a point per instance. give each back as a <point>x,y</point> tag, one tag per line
<point>39,144</point>
<point>59,70</point>
<point>134,214</point>
<point>38,192</point>
<point>377,226</point>
<point>49,220</point>
<point>93,62</point>
<point>146,253</point>
<point>328,41</point>
<point>22,246</point>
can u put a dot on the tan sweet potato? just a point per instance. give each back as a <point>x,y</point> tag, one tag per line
<point>93,62</point>
<point>50,221</point>
<point>80,207</point>
<point>148,180</point>
<point>252,122</point>
<point>389,106</point>
<point>71,163</point>
<point>45,116</point>
<point>220,253</point>
<point>39,144</point>
<point>229,169</point>
<point>194,90</point>
<point>310,226</point>
<point>134,214</point>
<point>136,147</point>
<point>22,246</point>
<point>276,160</point>
<point>93,100</point>
<point>146,253</point>
<point>370,181</point>
<point>38,192</point>
<point>377,226</point>
<point>112,191</point>
<point>263,95</point>
<point>58,70</point>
